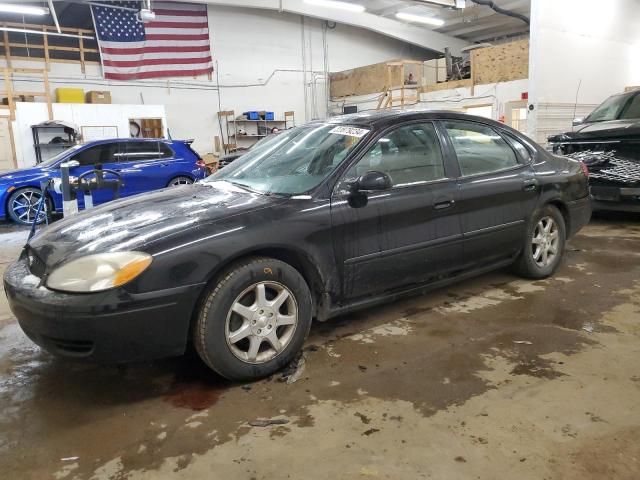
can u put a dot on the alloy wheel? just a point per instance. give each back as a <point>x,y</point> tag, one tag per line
<point>181,181</point>
<point>25,206</point>
<point>545,242</point>
<point>261,322</point>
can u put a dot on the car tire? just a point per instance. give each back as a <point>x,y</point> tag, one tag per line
<point>543,244</point>
<point>174,182</point>
<point>253,319</point>
<point>23,203</point>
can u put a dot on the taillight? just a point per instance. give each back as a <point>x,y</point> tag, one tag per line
<point>585,170</point>
<point>200,163</point>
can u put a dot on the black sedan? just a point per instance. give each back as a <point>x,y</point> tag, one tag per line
<point>608,141</point>
<point>327,218</point>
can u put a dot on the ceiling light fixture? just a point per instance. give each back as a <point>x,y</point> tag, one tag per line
<point>22,9</point>
<point>409,17</point>
<point>351,7</point>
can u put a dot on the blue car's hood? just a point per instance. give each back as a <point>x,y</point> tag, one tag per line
<point>24,174</point>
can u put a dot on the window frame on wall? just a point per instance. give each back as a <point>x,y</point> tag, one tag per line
<point>480,105</point>
<point>510,108</point>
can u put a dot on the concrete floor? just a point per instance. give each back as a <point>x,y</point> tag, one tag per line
<point>493,378</point>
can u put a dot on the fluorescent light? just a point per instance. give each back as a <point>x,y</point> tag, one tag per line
<point>409,17</point>
<point>24,9</point>
<point>352,7</point>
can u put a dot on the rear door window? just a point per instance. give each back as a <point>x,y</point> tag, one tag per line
<point>139,151</point>
<point>479,148</point>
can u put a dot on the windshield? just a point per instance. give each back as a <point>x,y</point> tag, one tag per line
<point>294,161</point>
<point>51,161</point>
<point>609,109</point>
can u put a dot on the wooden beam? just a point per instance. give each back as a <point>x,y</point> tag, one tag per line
<point>32,94</point>
<point>81,44</point>
<point>7,49</point>
<point>9,88</point>
<point>54,60</point>
<point>466,83</point>
<point>47,89</point>
<point>12,139</point>
<point>41,46</point>
<point>45,41</point>
<point>28,70</point>
<point>51,28</point>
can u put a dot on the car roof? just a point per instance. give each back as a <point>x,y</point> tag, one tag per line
<point>128,140</point>
<point>383,118</point>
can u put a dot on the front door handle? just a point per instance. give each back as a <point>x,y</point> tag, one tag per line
<point>530,185</point>
<point>444,204</point>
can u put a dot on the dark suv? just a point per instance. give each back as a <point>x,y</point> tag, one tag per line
<point>608,141</point>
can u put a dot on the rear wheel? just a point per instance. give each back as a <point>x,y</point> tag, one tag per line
<point>254,319</point>
<point>174,182</point>
<point>22,206</point>
<point>543,245</point>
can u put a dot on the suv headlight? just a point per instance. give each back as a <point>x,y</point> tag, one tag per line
<point>102,271</point>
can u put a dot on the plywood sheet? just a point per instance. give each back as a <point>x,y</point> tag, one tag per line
<point>500,63</point>
<point>363,80</point>
<point>466,83</point>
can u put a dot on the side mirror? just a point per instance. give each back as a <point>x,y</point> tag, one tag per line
<point>70,164</point>
<point>372,181</point>
<point>577,121</point>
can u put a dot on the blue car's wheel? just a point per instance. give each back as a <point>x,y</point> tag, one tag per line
<point>174,182</point>
<point>23,206</point>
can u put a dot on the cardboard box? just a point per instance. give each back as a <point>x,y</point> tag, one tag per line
<point>69,95</point>
<point>95,96</point>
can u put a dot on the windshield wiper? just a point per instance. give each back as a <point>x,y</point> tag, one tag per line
<point>245,187</point>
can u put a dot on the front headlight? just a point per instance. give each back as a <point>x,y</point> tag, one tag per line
<point>98,272</point>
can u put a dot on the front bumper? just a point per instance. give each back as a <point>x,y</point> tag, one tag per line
<point>112,327</point>
<point>579,214</point>
<point>615,198</point>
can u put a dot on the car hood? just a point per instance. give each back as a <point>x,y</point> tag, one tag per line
<point>141,221</point>
<point>611,130</point>
<point>24,174</point>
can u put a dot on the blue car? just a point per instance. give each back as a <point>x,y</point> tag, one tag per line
<point>144,165</point>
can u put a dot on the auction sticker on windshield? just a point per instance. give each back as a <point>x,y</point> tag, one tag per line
<point>350,131</point>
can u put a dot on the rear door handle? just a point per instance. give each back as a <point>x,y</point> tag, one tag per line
<point>530,185</point>
<point>444,204</point>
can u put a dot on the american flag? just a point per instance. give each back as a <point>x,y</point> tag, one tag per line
<point>175,44</point>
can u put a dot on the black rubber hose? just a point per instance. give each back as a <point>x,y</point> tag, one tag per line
<point>497,9</point>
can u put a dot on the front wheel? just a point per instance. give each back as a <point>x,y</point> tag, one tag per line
<point>543,245</point>
<point>22,206</point>
<point>254,320</point>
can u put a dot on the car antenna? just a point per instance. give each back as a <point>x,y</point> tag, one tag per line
<point>575,105</point>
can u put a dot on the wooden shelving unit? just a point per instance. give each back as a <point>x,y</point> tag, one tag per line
<point>254,129</point>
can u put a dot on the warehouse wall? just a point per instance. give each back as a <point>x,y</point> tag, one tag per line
<point>496,94</point>
<point>584,49</point>
<point>260,65</point>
